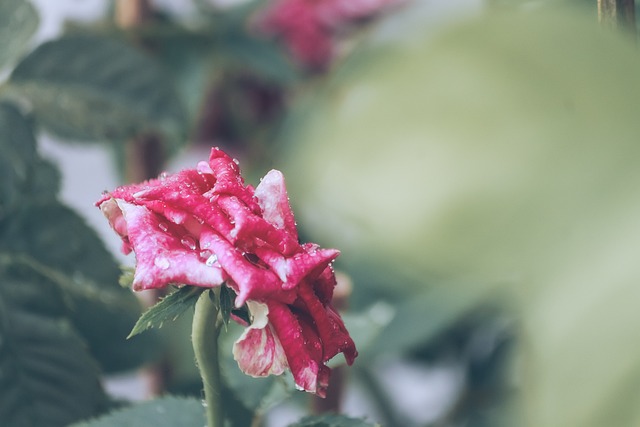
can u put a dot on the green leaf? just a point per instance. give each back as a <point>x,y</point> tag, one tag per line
<point>227,297</point>
<point>23,174</point>
<point>191,60</point>
<point>54,237</point>
<point>18,22</point>
<point>89,87</point>
<point>332,421</point>
<point>424,316</point>
<point>168,308</point>
<point>265,58</point>
<point>46,375</point>
<point>164,412</point>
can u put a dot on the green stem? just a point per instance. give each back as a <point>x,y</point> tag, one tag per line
<point>206,328</point>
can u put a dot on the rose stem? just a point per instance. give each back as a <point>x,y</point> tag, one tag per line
<point>205,332</point>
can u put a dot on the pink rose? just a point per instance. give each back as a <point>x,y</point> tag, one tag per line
<point>205,227</point>
<point>309,27</point>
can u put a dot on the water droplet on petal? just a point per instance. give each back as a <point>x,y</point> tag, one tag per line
<point>162,226</point>
<point>211,260</point>
<point>163,176</point>
<point>299,388</point>
<point>162,263</point>
<point>236,161</point>
<point>188,242</point>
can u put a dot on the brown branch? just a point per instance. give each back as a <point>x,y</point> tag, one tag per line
<point>144,159</point>
<point>618,13</point>
<point>131,13</point>
<point>144,154</point>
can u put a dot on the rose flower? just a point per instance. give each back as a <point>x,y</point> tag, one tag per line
<point>205,227</point>
<point>309,28</point>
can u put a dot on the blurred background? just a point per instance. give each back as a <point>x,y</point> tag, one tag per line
<point>476,162</point>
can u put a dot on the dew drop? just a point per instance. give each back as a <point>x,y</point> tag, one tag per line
<point>163,176</point>
<point>211,260</point>
<point>162,263</point>
<point>299,388</point>
<point>236,161</point>
<point>188,242</point>
<point>162,226</point>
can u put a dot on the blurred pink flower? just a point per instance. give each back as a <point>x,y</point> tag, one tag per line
<point>205,227</point>
<point>308,27</point>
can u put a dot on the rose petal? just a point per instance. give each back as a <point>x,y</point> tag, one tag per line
<point>228,179</point>
<point>272,198</point>
<point>248,227</point>
<point>331,329</point>
<point>162,258</point>
<point>253,282</point>
<point>291,271</point>
<point>258,351</point>
<point>113,213</point>
<point>286,326</point>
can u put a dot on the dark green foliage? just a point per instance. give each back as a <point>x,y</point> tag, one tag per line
<point>88,87</point>
<point>331,421</point>
<point>53,239</point>
<point>59,241</point>
<point>47,378</point>
<point>23,174</point>
<point>165,412</point>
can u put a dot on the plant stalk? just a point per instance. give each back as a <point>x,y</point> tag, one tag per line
<point>205,332</point>
<point>617,13</point>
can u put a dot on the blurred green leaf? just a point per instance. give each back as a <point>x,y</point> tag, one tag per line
<point>55,237</point>
<point>265,58</point>
<point>501,152</point>
<point>331,421</point>
<point>23,174</point>
<point>163,412</point>
<point>189,58</point>
<point>168,308</point>
<point>46,375</point>
<point>18,23</point>
<point>421,318</point>
<point>88,87</point>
